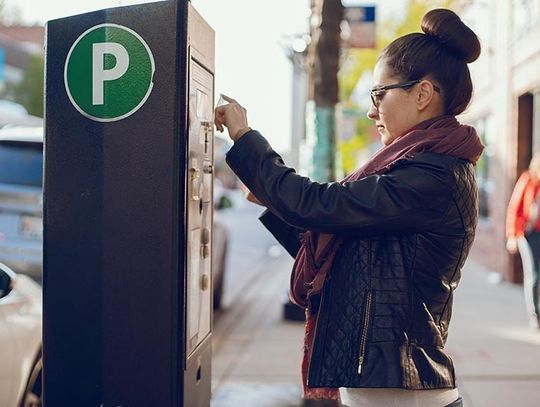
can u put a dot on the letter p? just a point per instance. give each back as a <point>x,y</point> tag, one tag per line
<point>100,74</point>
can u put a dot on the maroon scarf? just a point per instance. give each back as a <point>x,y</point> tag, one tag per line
<point>443,135</point>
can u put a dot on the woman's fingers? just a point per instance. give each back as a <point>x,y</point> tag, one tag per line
<point>219,118</point>
<point>228,99</point>
<point>233,116</point>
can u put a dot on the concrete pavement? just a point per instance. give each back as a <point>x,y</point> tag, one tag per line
<point>496,354</point>
<point>257,354</point>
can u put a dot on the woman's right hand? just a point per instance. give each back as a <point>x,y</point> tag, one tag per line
<point>511,245</point>
<point>233,116</point>
<point>252,198</point>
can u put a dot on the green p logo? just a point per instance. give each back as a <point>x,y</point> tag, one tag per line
<point>108,72</point>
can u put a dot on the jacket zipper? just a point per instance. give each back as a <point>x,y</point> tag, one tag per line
<point>365,329</point>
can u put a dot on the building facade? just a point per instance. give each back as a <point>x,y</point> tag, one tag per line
<point>506,112</point>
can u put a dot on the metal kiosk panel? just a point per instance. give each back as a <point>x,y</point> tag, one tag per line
<point>128,208</point>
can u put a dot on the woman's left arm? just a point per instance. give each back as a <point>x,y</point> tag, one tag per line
<point>288,236</point>
<point>408,198</point>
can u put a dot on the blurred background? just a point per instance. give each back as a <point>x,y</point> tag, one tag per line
<point>310,101</point>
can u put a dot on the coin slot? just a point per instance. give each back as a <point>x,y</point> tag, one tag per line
<point>199,375</point>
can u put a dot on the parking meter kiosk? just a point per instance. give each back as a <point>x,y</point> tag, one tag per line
<point>128,208</point>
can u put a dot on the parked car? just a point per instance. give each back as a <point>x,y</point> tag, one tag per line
<point>15,113</point>
<point>21,208</point>
<point>21,199</point>
<point>20,340</point>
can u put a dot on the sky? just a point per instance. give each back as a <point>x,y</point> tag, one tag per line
<point>251,36</point>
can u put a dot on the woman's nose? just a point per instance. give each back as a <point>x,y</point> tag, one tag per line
<point>372,113</point>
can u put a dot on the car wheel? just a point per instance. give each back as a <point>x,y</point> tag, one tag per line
<point>218,285</point>
<point>32,396</point>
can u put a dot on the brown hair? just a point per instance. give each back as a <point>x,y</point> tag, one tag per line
<point>441,54</point>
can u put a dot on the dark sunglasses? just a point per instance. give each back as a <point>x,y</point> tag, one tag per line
<point>377,93</point>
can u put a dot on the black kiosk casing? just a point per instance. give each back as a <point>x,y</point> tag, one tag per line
<point>128,223</point>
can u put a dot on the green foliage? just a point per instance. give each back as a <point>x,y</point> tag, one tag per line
<point>29,92</point>
<point>350,149</point>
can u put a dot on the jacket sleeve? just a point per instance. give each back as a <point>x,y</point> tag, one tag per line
<point>515,217</point>
<point>288,236</point>
<point>411,197</point>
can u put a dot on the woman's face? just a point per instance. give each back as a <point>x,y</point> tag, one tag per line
<point>397,111</point>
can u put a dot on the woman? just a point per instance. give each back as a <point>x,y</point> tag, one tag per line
<point>379,254</point>
<point>523,233</point>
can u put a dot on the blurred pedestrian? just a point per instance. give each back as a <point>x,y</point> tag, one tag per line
<point>523,233</point>
<point>379,254</point>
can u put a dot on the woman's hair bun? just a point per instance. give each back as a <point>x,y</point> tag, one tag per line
<point>447,27</point>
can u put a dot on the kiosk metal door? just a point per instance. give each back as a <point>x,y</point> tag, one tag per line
<point>199,207</point>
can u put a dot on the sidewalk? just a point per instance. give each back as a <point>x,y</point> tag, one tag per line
<point>497,357</point>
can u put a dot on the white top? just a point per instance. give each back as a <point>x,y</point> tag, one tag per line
<point>369,397</point>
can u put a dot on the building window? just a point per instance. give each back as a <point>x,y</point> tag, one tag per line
<point>485,184</point>
<point>526,16</point>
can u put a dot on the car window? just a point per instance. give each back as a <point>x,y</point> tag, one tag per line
<point>21,163</point>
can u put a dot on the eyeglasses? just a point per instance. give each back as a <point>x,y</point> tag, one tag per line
<point>378,92</point>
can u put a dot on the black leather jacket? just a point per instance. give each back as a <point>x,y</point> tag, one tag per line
<point>387,301</point>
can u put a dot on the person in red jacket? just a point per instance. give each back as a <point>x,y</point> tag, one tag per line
<point>523,233</point>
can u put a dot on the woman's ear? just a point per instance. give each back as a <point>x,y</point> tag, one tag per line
<point>425,95</point>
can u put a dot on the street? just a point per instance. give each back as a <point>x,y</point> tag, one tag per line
<point>251,341</point>
<point>250,245</point>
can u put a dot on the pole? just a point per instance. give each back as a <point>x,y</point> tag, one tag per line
<point>323,57</point>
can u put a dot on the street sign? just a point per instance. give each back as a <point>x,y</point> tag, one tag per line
<point>108,72</point>
<point>359,27</point>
